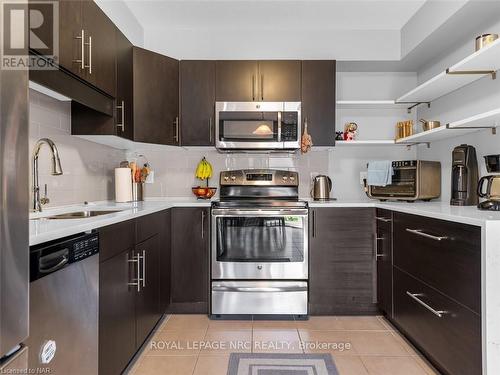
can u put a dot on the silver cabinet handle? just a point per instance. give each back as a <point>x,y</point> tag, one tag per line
<point>210,129</point>
<point>136,281</point>
<point>90,55</point>
<point>203,224</point>
<point>82,50</point>
<point>143,268</point>
<point>122,108</point>
<point>223,288</point>
<point>262,87</point>
<point>419,232</point>
<point>414,296</point>
<point>383,219</point>
<point>176,125</point>
<point>376,247</point>
<point>314,223</point>
<point>253,87</point>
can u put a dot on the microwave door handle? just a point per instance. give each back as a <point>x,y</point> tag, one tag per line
<point>279,126</point>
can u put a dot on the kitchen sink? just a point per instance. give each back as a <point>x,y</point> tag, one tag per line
<point>78,215</point>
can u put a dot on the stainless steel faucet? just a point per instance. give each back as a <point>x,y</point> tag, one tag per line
<point>56,171</point>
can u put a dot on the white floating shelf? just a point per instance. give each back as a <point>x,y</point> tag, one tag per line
<point>482,121</point>
<point>370,104</point>
<point>483,62</point>
<point>375,142</point>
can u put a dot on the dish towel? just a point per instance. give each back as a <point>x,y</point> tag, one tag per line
<point>380,173</point>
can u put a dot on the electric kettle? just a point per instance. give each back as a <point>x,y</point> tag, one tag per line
<point>321,187</point>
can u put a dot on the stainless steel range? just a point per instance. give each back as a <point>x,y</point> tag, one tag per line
<point>259,244</point>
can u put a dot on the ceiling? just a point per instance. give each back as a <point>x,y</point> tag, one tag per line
<point>349,30</point>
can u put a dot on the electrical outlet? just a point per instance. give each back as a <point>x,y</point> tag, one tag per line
<point>362,177</point>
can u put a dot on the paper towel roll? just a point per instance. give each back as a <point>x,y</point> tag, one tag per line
<point>123,185</point>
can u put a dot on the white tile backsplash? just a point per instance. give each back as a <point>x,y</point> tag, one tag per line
<point>87,166</point>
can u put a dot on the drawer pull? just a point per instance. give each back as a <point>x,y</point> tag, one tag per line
<point>414,296</point>
<point>426,235</point>
<point>383,219</point>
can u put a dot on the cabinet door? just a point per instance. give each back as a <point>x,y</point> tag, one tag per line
<point>70,28</point>
<point>342,257</point>
<point>384,260</point>
<point>318,100</point>
<point>100,48</point>
<point>148,298</point>
<point>165,261</point>
<point>156,97</point>
<point>124,89</point>
<point>190,255</point>
<point>197,80</point>
<point>116,314</point>
<point>236,81</point>
<point>279,81</point>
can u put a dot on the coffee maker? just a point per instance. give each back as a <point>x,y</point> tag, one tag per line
<point>492,191</point>
<point>464,176</point>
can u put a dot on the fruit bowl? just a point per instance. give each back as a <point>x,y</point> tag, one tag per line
<point>204,192</point>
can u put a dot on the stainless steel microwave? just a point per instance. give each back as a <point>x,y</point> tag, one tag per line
<point>257,126</point>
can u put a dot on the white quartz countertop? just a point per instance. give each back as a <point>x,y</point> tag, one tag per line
<point>47,230</point>
<point>437,210</point>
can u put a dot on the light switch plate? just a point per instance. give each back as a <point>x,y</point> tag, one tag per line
<point>362,177</point>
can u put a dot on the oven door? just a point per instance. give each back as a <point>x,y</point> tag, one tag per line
<point>267,244</point>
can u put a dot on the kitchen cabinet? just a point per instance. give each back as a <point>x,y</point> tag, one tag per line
<point>318,100</point>
<point>244,80</point>
<point>190,260</point>
<point>147,106</point>
<point>383,247</point>
<point>117,322</point>
<point>437,290</point>
<point>279,81</point>
<point>343,259</point>
<point>165,261</point>
<point>147,306</point>
<point>197,102</point>
<point>156,97</point>
<point>236,81</point>
<point>87,43</point>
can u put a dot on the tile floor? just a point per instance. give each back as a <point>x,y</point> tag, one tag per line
<point>196,345</point>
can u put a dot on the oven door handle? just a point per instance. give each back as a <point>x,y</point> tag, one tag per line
<point>279,212</point>
<point>220,288</point>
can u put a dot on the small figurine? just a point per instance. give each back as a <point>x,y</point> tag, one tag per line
<point>339,136</point>
<point>350,131</point>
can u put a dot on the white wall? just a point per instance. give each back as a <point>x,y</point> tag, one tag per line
<point>480,96</point>
<point>124,19</point>
<point>87,166</point>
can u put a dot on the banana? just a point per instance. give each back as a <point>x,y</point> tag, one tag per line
<point>203,170</point>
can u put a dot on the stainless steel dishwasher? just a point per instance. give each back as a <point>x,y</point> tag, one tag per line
<point>64,301</point>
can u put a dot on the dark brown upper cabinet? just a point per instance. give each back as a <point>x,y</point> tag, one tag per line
<point>318,100</point>
<point>279,80</point>
<point>246,81</point>
<point>87,43</point>
<point>197,101</point>
<point>124,115</point>
<point>236,81</point>
<point>156,98</point>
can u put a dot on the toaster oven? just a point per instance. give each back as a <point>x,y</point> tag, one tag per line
<point>412,180</point>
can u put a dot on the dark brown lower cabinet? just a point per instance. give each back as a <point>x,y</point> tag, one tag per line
<point>117,342</point>
<point>190,260</point>
<point>446,331</point>
<point>342,261</point>
<point>129,312</point>
<point>383,247</point>
<point>147,304</point>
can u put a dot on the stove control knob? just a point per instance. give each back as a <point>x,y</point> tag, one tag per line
<point>226,178</point>
<point>292,178</point>
<point>259,267</point>
<point>285,178</point>
<point>233,178</point>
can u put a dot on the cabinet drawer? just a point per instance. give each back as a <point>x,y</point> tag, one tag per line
<point>453,340</point>
<point>149,225</point>
<point>443,254</point>
<point>115,239</point>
